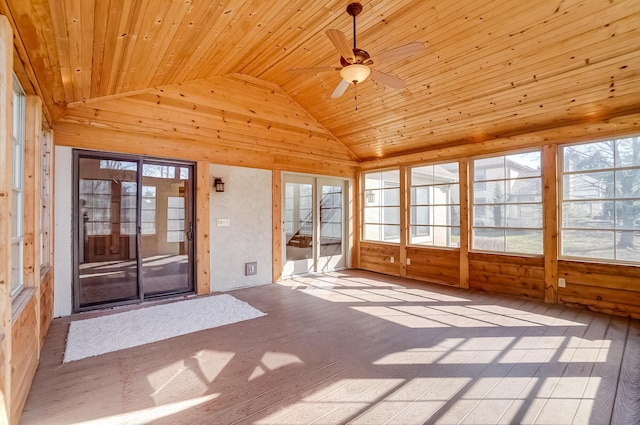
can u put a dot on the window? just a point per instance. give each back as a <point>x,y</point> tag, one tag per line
<point>331,215</point>
<point>435,205</point>
<point>507,204</point>
<point>45,199</point>
<point>17,209</point>
<point>175,219</point>
<point>149,210</point>
<point>600,200</point>
<point>382,206</point>
<point>129,208</point>
<point>95,202</point>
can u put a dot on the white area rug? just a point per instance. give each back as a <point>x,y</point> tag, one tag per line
<point>92,337</point>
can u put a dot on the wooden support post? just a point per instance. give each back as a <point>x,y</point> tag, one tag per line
<point>355,212</point>
<point>32,188</point>
<point>404,218</point>
<point>550,223</point>
<point>6,149</point>
<point>465,219</point>
<point>32,155</point>
<point>203,228</point>
<point>276,220</point>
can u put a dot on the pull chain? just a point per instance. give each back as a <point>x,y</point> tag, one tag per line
<point>355,87</point>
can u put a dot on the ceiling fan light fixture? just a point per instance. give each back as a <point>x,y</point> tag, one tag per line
<point>355,73</point>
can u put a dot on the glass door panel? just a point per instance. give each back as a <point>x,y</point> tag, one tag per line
<point>298,225</point>
<point>166,228</point>
<point>313,224</point>
<point>331,197</point>
<point>107,244</point>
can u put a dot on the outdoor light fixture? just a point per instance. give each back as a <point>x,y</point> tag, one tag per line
<point>355,73</point>
<point>218,183</point>
<point>371,196</point>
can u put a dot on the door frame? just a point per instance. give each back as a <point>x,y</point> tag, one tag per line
<point>317,181</point>
<point>75,223</point>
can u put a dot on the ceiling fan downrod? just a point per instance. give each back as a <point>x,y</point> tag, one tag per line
<point>354,10</point>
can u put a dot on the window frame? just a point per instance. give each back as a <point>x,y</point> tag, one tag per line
<point>504,204</point>
<point>17,186</point>
<point>381,192</point>
<point>431,204</point>
<point>561,173</point>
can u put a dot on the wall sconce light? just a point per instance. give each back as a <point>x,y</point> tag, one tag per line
<point>371,196</point>
<point>444,188</point>
<point>218,183</point>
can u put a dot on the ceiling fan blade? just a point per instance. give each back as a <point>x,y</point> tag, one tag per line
<point>311,70</point>
<point>398,53</point>
<point>340,89</point>
<point>387,80</point>
<point>342,45</point>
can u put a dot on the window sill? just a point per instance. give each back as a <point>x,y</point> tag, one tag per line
<point>19,302</point>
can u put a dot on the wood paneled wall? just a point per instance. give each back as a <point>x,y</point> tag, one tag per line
<point>507,274</point>
<point>25,352</point>
<point>609,288</point>
<point>6,143</point>
<point>46,303</point>
<point>231,120</point>
<point>434,265</point>
<point>25,317</point>
<point>377,257</point>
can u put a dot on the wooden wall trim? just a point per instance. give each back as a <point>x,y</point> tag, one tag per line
<point>203,228</point>
<point>276,219</point>
<point>6,147</point>
<point>550,222</point>
<point>465,220</point>
<point>598,129</point>
<point>105,139</point>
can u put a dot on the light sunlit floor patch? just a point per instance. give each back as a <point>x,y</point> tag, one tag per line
<point>271,361</point>
<point>150,414</point>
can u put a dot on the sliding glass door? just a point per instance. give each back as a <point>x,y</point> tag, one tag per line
<point>167,229</point>
<point>313,224</point>
<point>134,229</point>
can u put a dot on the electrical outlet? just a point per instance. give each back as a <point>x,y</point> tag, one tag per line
<point>408,261</point>
<point>392,260</point>
<point>562,283</point>
<point>223,222</point>
<point>250,269</point>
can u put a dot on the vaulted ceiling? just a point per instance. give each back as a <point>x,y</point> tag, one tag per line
<point>491,68</point>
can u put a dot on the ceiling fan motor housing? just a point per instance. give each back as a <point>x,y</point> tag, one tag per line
<point>362,57</point>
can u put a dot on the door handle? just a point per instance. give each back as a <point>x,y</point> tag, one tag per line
<point>190,231</point>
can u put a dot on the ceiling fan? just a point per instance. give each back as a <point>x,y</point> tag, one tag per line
<point>356,62</point>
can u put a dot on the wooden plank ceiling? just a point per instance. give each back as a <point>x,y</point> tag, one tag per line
<point>491,68</point>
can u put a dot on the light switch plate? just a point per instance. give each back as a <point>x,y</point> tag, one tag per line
<point>250,269</point>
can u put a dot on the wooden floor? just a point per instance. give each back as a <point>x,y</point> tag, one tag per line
<point>361,348</point>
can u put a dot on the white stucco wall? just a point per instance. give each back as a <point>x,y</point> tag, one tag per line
<point>246,202</point>
<point>62,277</point>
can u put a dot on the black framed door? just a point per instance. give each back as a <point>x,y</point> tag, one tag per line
<point>134,227</point>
